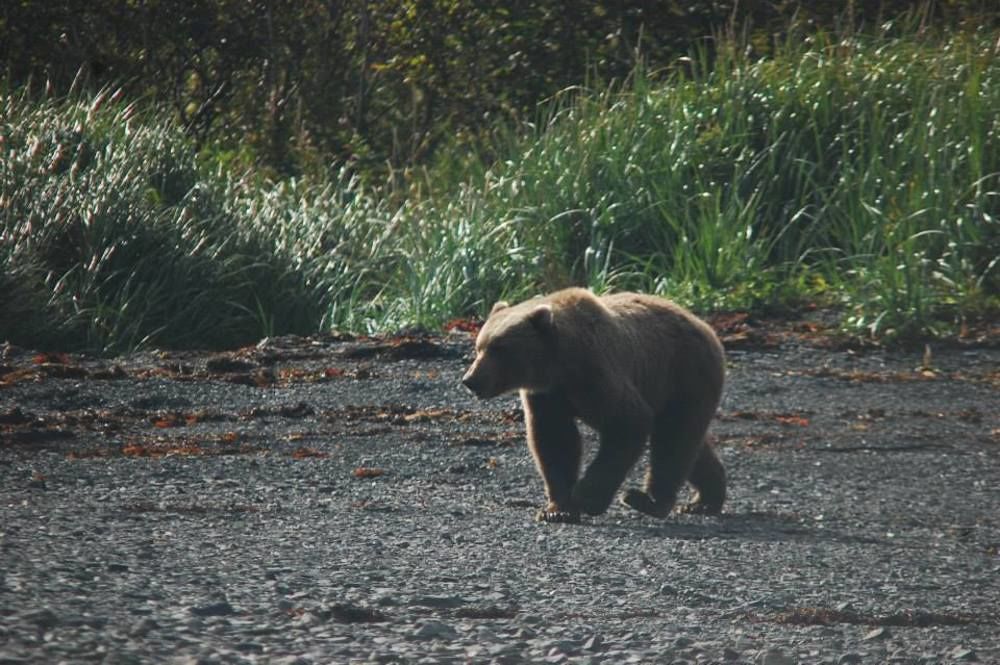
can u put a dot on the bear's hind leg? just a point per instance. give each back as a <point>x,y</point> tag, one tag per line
<point>555,445</point>
<point>621,446</point>
<point>673,449</point>
<point>709,478</point>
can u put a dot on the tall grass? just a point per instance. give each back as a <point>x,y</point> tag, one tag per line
<point>869,166</point>
<point>114,238</point>
<point>862,170</point>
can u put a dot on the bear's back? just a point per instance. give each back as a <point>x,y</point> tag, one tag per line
<point>671,350</point>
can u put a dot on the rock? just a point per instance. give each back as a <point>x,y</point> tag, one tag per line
<point>250,647</point>
<point>143,627</point>
<point>122,658</point>
<point>587,660</point>
<point>849,659</point>
<point>439,601</point>
<point>219,609</point>
<point>485,636</point>
<point>308,620</point>
<point>386,599</point>
<point>877,634</point>
<point>44,618</point>
<point>496,650</point>
<point>562,646</point>
<point>430,630</point>
<point>963,654</point>
<point>774,657</point>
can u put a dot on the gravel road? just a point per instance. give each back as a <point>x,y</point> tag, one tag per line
<point>329,500</point>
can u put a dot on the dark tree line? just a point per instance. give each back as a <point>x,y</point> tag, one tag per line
<point>295,84</point>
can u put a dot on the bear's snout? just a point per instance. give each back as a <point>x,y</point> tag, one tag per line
<point>477,379</point>
<point>473,382</point>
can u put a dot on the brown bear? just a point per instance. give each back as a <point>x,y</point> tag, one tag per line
<point>634,367</point>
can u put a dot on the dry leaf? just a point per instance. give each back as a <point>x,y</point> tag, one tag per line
<point>368,472</point>
<point>304,452</point>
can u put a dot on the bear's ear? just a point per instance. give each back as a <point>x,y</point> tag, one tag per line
<point>541,318</point>
<point>499,306</point>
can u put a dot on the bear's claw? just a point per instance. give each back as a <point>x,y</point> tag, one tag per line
<point>699,508</point>
<point>558,516</point>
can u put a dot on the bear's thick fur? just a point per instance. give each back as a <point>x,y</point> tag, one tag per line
<point>634,367</point>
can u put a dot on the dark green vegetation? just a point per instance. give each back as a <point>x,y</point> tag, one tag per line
<point>292,84</point>
<point>857,168</point>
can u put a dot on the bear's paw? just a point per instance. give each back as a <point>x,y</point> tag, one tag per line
<point>697,507</point>
<point>593,494</point>
<point>639,500</point>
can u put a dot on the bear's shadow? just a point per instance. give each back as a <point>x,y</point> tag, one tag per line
<point>759,526</point>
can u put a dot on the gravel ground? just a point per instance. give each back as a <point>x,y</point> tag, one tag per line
<point>334,501</point>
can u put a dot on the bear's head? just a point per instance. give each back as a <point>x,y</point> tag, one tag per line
<point>514,350</point>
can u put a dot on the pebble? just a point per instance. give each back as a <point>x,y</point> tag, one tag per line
<point>877,634</point>
<point>509,659</point>
<point>308,620</point>
<point>500,649</point>
<point>434,630</point>
<point>961,653</point>
<point>588,660</point>
<point>774,657</point>
<point>43,618</point>
<point>563,646</point>
<point>386,599</point>
<point>222,608</point>
<point>143,627</point>
<point>438,601</point>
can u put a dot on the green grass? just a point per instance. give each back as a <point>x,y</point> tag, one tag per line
<point>870,166</point>
<point>114,238</point>
<point>863,172</point>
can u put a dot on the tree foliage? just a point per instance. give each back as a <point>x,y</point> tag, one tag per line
<point>301,84</point>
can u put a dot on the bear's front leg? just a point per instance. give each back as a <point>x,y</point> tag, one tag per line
<point>555,445</point>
